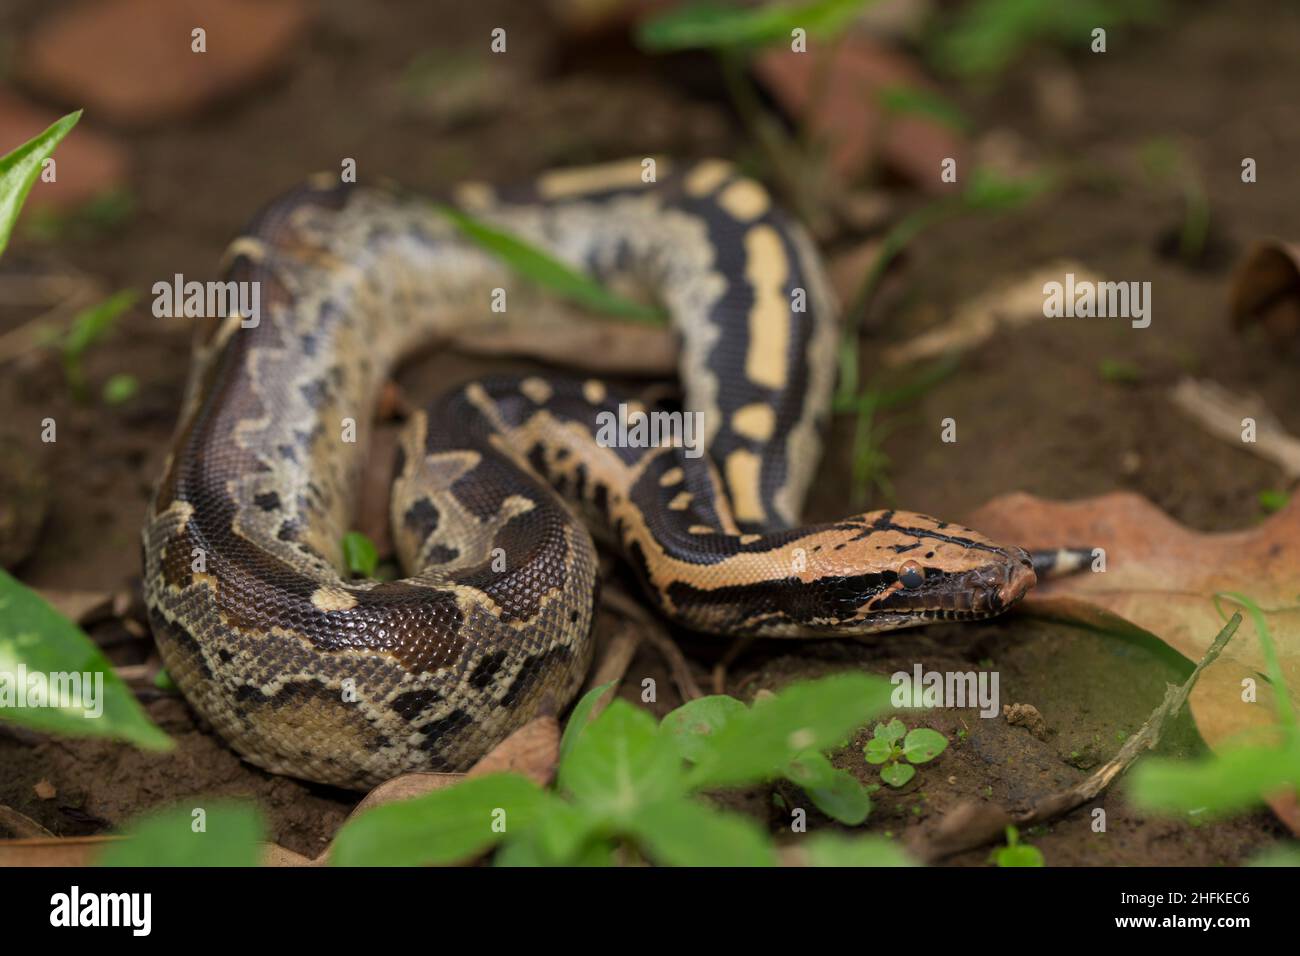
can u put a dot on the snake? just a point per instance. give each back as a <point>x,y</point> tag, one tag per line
<point>503,487</point>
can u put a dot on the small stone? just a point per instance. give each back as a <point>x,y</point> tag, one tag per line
<point>44,789</point>
<point>136,62</point>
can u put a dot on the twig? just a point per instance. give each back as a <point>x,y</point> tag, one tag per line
<point>654,632</point>
<point>971,825</point>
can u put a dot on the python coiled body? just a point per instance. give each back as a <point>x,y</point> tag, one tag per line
<point>308,673</point>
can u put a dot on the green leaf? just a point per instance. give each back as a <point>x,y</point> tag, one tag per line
<point>120,388</point>
<point>835,793</point>
<point>878,750</point>
<point>811,715</point>
<point>1287,855</point>
<point>563,836</point>
<point>923,745</point>
<point>20,168</point>
<point>892,732</point>
<point>688,833</point>
<point>897,774</point>
<point>696,720</point>
<point>446,826</point>
<point>1234,779</point>
<point>1022,854</point>
<point>39,644</point>
<point>544,269</point>
<point>710,26</point>
<point>620,763</point>
<point>580,717</point>
<point>916,101</point>
<point>1272,500</point>
<point>831,849</point>
<point>220,833</point>
<point>95,322</point>
<point>360,554</point>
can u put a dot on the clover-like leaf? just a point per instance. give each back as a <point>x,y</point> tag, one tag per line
<point>923,744</point>
<point>897,774</point>
<point>878,750</point>
<point>892,731</point>
<point>581,717</point>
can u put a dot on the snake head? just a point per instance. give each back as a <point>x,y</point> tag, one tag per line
<point>891,569</point>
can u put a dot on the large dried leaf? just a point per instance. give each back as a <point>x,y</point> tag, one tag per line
<point>1162,578</point>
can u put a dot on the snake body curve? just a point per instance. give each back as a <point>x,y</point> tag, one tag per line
<point>307,673</point>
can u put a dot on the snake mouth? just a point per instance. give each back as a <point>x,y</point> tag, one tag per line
<point>971,595</point>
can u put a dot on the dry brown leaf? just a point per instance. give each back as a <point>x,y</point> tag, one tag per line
<point>1161,577</point>
<point>1018,301</point>
<point>53,851</point>
<point>1266,289</point>
<point>533,751</point>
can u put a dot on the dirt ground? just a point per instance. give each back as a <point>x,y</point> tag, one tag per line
<point>1034,413</point>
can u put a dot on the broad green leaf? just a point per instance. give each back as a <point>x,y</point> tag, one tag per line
<point>713,26</point>
<point>831,849</point>
<point>1234,779</point>
<point>811,715</point>
<point>220,833</point>
<point>540,267</point>
<point>580,717</point>
<point>563,836</point>
<point>688,833</point>
<point>897,774</point>
<point>40,649</point>
<point>621,763</point>
<point>693,723</point>
<point>19,170</point>
<point>836,793</point>
<point>360,554</point>
<point>923,744</point>
<point>446,826</point>
<point>878,750</point>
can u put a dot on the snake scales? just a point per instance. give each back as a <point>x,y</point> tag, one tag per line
<point>308,673</point>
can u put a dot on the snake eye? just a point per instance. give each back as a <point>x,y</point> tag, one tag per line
<point>911,575</point>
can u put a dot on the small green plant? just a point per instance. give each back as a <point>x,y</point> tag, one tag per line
<point>628,788</point>
<point>20,168</point>
<point>89,327</point>
<point>1119,371</point>
<point>896,749</point>
<point>1238,777</point>
<point>1016,853</point>
<point>987,36</point>
<point>1272,500</point>
<point>1168,166</point>
<point>360,555</point>
<point>870,462</point>
<point>120,388</point>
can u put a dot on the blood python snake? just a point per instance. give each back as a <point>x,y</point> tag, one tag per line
<point>308,673</point>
